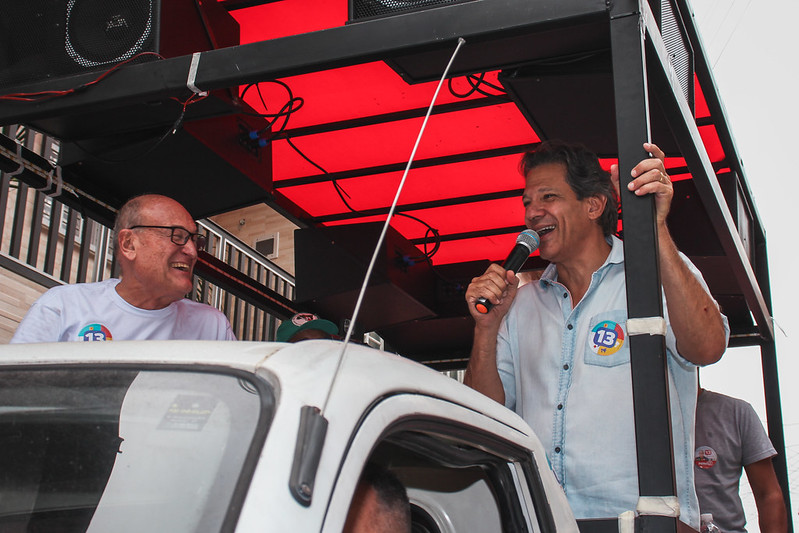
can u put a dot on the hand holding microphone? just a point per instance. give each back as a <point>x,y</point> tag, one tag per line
<point>526,244</point>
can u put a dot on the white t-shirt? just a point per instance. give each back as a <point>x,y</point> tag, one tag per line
<point>95,312</point>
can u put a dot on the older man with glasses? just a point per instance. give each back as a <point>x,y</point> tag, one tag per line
<point>156,248</point>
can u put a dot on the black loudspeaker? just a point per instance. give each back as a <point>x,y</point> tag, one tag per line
<point>363,9</point>
<point>46,39</point>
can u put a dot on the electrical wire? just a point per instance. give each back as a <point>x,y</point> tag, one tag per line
<point>731,35</point>
<point>46,95</point>
<point>343,195</point>
<point>171,130</point>
<point>292,105</point>
<point>475,82</point>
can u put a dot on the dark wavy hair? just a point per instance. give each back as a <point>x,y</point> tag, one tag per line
<point>583,174</point>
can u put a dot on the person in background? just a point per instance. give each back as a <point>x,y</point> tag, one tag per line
<point>729,439</point>
<point>380,504</point>
<point>557,351</point>
<point>304,326</point>
<point>156,249</point>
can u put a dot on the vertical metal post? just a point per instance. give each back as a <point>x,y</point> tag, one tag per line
<point>771,387</point>
<point>775,423</point>
<point>647,352</point>
<point>37,218</point>
<point>68,251</point>
<point>87,234</point>
<point>18,222</point>
<point>101,256</point>
<point>52,237</point>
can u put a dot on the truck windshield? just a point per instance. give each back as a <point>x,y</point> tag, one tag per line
<point>122,450</point>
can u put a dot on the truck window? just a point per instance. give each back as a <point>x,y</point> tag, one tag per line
<point>457,484</point>
<point>123,450</point>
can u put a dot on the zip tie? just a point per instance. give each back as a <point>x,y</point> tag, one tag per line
<point>20,162</point>
<point>195,63</point>
<point>59,182</point>
<point>655,325</point>
<point>658,506</point>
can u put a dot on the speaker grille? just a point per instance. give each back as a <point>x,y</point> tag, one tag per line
<point>41,39</point>
<point>361,9</point>
<point>102,32</point>
<point>679,49</point>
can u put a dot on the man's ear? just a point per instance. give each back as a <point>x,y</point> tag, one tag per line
<point>596,206</point>
<point>126,244</point>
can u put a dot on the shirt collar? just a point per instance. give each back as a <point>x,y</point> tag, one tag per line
<point>615,257</point>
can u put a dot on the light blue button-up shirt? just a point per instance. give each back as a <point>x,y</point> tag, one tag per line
<point>566,371</point>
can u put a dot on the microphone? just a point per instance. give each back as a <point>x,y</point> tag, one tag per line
<point>526,243</point>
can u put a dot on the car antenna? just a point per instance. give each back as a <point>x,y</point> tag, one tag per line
<point>350,327</point>
<point>313,424</point>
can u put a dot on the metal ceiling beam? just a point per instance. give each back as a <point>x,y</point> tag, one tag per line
<point>384,118</point>
<point>399,166</point>
<point>686,133</point>
<point>474,234</point>
<point>478,22</point>
<point>418,206</point>
<point>232,5</point>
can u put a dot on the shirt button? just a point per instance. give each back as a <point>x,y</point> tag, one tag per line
<point>565,294</point>
<point>557,449</point>
<point>560,406</point>
<point>569,327</point>
<point>565,367</point>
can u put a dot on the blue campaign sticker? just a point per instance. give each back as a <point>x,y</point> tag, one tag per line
<point>95,332</point>
<point>607,338</point>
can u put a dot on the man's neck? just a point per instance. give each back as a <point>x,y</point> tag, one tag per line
<point>140,297</point>
<point>575,273</point>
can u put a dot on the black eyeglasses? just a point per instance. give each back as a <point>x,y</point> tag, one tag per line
<point>180,235</point>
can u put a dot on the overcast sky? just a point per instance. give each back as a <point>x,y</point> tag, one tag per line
<point>751,47</point>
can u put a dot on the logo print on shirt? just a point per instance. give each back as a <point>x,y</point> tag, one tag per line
<point>607,338</point>
<point>94,332</point>
<point>705,457</point>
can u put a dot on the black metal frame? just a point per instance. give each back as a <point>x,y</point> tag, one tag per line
<point>641,71</point>
<point>642,269</point>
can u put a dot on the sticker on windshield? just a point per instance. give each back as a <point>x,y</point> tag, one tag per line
<point>94,332</point>
<point>606,338</point>
<point>188,412</point>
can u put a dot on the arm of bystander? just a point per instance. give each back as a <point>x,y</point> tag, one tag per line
<point>771,513</point>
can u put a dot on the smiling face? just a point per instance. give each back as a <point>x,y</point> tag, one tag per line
<point>156,271</point>
<point>567,226</point>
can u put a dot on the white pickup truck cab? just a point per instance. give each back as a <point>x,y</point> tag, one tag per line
<point>210,436</point>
